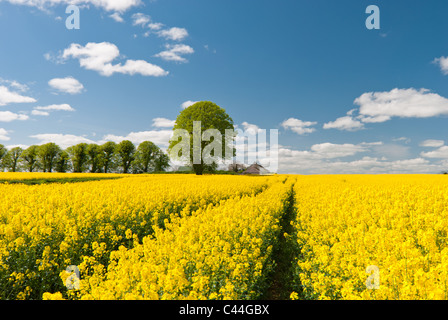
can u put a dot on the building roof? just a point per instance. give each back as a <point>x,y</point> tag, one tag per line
<point>256,169</point>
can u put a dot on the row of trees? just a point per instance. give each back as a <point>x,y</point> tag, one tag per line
<point>124,157</point>
<point>109,157</point>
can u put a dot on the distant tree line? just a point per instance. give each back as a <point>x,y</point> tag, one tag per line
<point>109,157</point>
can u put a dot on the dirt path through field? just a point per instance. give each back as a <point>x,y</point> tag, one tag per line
<point>285,256</point>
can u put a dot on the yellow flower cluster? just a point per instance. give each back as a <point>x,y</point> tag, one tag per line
<point>372,237</point>
<point>212,237</point>
<point>45,228</point>
<point>217,252</point>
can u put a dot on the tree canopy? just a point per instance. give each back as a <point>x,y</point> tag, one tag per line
<point>210,116</point>
<point>108,157</point>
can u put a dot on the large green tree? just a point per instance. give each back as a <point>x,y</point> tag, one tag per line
<point>195,120</point>
<point>94,157</point>
<point>108,155</point>
<point>30,158</point>
<point>47,154</point>
<point>62,161</point>
<point>78,156</point>
<point>11,159</point>
<point>161,161</point>
<point>144,156</point>
<point>3,152</point>
<point>126,154</point>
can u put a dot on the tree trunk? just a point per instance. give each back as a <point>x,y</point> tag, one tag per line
<point>198,168</point>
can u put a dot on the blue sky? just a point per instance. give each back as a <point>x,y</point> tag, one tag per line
<point>345,99</point>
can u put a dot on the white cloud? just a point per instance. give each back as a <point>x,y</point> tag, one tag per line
<point>10,146</point>
<point>4,135</point>
<point>369,144</point>
<point>108,5</point>
<point>8,116</point>
<point>145,21</point>
<point>99,57</point>
<point>330,150</point>
<point>140,19</point>
<point>403,139</point>
<point>63,140</point>
<point>441,152</point>
<point>378,158</point>
<point>309,162</point>
<point>163,123</point>
<point>344,123</point>
<point>323,151</point>
<point>155,26</point>
<point>117,17</point>
<point>251,128</point>
<point>7,96</point>
<point>298,126</point>
<point>56,107</point>
<point>40,113</point>
<point>443,64</point>
<point>57,59</point>
<point>15,84</point>
<point>175,52</point>
<point>159,137</point>
<point>376,119</point>
<point>187,103</point>
<point>392,151</point>
<point>253,144</point>
<point>404,103</point>
<point>174,33</point>
<point>67,84</point>
<point>432,143</point>
<point>377,107</point>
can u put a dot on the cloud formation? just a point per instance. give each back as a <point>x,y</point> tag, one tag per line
<point>187,103</point>
<point>8,116</point>
<point>432,143</point>
<point>346,123</point>
<point>63,140</point>
<point>322,160</point>
<point>175,52</point>
<point>441,152</point>
<point>99,57</point>
<point>174,33</point>
<point>298,126</point>
<point>163,123</point>
<point>7,96</point>
<point>67,85</point>
<point>402,103</point>
<point>140,19</point>
<point>442,62</point>
<point>107,5</point>
<point>378,107</point>
<point>55,107</point>
<point>117,17</point>
<point>159,137</point>
<point>4,135</point>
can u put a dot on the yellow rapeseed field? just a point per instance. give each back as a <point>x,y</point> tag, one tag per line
<point>217,236</point>
<point>218,252</point>
<point>396,224</point>
<point>45,228</point>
